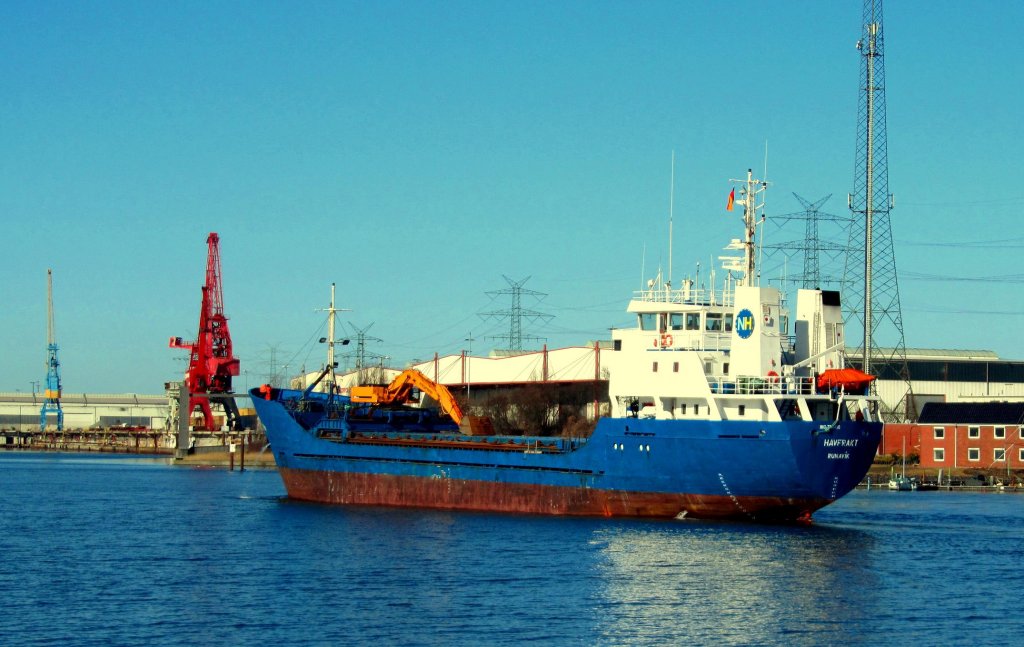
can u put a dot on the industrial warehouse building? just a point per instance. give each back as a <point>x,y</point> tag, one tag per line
<point>20,411</point>
<point>946,376</point>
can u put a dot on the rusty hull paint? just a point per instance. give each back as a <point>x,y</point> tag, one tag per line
<point>355,488</point>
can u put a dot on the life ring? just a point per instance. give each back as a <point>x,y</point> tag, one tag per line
<point>773,377</point>
<point>666,340</point>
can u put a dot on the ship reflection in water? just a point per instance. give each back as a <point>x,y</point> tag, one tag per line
<point>733,583</point>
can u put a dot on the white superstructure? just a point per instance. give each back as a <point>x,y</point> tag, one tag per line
<point>728,354</point>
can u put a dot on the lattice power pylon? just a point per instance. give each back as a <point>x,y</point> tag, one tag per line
<point>871,291</point>
<point>362,354</point>
<point>516,313</point>
<point>811,247</point>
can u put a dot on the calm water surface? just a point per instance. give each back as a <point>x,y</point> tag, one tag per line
<point>100,550</point>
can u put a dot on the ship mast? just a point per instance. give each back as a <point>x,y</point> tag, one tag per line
<point>331,363</point>
<point>750,189</point>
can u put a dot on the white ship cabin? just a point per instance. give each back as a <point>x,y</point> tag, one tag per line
<point>702,355</point>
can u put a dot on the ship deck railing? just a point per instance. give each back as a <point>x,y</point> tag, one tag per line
<point>762,385</point>
<point>687,296</point>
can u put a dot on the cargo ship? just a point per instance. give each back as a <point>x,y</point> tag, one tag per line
<point>717,410</point>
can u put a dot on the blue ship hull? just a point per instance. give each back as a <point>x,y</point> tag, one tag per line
<point>765,471</point>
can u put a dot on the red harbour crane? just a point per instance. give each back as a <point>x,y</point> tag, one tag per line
<point>212,363</point>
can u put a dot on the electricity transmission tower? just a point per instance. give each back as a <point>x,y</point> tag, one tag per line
<point>361,354</point>
<point>516,313</point>
<point>870,273</point>
<point>811,246</point>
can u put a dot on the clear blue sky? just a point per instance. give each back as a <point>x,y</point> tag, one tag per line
<point>416,152</point>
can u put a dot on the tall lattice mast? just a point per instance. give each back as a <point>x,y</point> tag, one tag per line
<point>870,274</point>
<point>51,396</point>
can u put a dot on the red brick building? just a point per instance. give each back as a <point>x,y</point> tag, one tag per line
<point>984,435</point>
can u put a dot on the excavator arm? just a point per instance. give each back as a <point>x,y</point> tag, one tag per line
<point>400,389</point>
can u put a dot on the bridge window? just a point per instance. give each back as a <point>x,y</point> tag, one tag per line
<point>713,322</point>
<point>648,321</point>
<point>973,454</point>
<point>693,321</point>
<point>675,367</point>
<point>939,455</point>
<point>675,321</point>
<point>974,432</point>
<point>654,369</point>
<point>728,322</point>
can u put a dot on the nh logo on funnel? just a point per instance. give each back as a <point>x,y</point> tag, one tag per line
<point>745,324</point>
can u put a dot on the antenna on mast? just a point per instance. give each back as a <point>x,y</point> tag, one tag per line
<point>749,191</point>
<point>671,205</point>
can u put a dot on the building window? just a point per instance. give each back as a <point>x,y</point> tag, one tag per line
<point>725,371</point>
<point>675,367</point>
<point>974,432</point>
<point>940,432</point>
<point>618,344</point>
<point>939,454</point>
<point>999,455</point>
<point>654,369</point>
<point>1020,454</point>
<point>999,432</point>
<point>973,454</point>
<point>743,409</point>
<point>682,409</point>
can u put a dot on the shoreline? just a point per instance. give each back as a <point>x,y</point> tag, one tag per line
<point>254,458</point>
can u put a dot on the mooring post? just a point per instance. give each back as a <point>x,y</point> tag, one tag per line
<point>183,417</point>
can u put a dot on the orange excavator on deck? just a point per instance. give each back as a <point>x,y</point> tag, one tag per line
<point>400,391</point>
